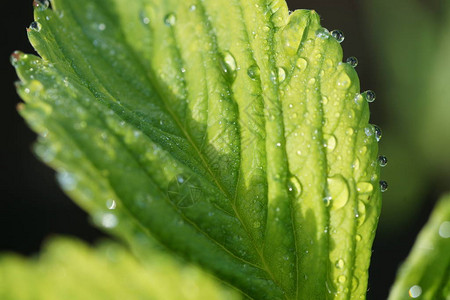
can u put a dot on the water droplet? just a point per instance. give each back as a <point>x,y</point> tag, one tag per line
<point>378,132</point>
<point>355,283</point>
<point>349,131</point>
<point>312,81</point>
<point>41,4</point>
<point>229,66</point>
<point>253,72</point>
<point>67,180</point>
<point>368,131</point>
<point>256,224</point>
<point>370,96</point>
<point>355,164</point>
<point>358,237</point>
<point>322,33</point>
<point>331,143</point>
<point>327,200</point>
<point>415,291</point>
<point>364,187</point>
<point>340,264</point>
<point>338,191</point>
<point>109,220</point>
<point>301,63</point>
<point>170,19</point>
<point>444,230</point>
<point>35,86</point>
<point>338,35</point>
<point>382,160</point>
<point>352,61</point>
<point>15,56</point>
<point>295,186</point>
<point>111,204</point>
<point>342,279</point>
<point>281,74</point>
<point>343,81</point>
<point>101,26</point>
<point>192,7</point>
<point>273,77</point>
<point>36,26</point>
<point>358,98</point>
<point>361,213</point>
<point>383,186</point>
<point>144,18</point>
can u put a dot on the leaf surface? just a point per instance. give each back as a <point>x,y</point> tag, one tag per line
<point>68,269</point>
<point>230,132</point>
<point>426,272</point>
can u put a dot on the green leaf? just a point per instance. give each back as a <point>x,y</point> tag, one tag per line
<point>426,272</point>
<point>229,132</point>
<point>68,269</point>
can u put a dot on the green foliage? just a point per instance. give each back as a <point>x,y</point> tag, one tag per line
<point>229,133</point>
<point>68,269</point>
<point>426,272</point>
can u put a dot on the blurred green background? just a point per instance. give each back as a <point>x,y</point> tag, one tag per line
<point>403,48</point>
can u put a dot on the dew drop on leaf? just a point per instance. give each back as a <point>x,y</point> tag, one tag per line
<point>378,132</point>
<point>331,142</point>
<point>352,61</point>
<point>340,264</point>
<point>342,279</point>
<point>144,18</point>
<point>322,33</point>
<point>338,191</point>
<point>368,131</point>
<point>355,283</point>
<point>295,186</point>
<point>67,180</point>
<point>301,63</point>
<point>338,35</point>
<point>41,4</point>
<point>383,186</point>
<point>359,98</point>
<point>327,200</point>
<point>229,66</point>
<point>361,213</point>
<point>355,164</point>
<point>108,220</point>
<point>364,187</point>
<point>444,230</point>
<point>281,74</point>
<point>343,81</point>
<point>170,19</point>
<point>370,96</point>
<point>253,72</point>
<point>36,26</point>
<point>415,291</point>
<point>382,160</point>
<point>111,204</point>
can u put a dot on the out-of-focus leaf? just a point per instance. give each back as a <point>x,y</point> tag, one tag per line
<point>68,269</point>
<point>411,47</point>
<point>230,132</point>
<point>426,272</point>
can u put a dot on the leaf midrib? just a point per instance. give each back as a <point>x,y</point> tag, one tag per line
<point>200,155</point>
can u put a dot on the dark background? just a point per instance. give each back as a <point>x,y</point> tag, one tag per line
<point>33,208</point>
